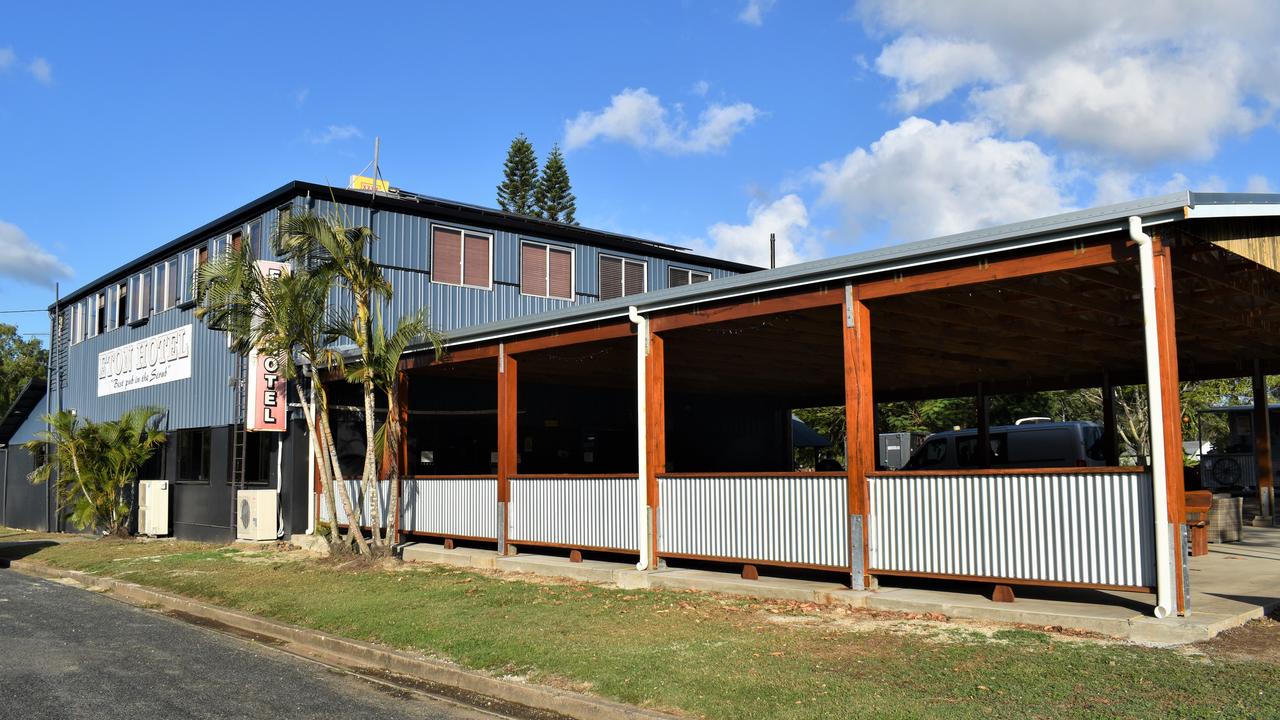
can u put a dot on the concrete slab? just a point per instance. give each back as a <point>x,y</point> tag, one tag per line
<point>459,557</point>
<point>1233,584</point>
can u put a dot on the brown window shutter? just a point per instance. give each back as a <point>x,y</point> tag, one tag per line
<point>533,269</point>
<point>560,273</point>
<point>610,277</point>
<point>446,256</point>
<point>633,277</point>
<point>475,264</point>
<point>697,277</point>
<point>677,277</point>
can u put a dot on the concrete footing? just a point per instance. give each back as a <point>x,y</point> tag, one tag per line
<point>1235,583</point>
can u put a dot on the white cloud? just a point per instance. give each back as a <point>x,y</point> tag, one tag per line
<point>1147,80</point>
<point>21,259</point>
<point>925,179</point>
<point>7,58</point>
<point>700,88</point>
<point>787,218</point>
<point>333,133</point>
<point>637,117</point>
<point>753,12</point>
<point>300,96</point>
<point>929,70</point>
<point>1257,184</point>
<point>41,70</point>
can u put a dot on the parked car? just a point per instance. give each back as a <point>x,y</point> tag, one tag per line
<point>1032,445</point>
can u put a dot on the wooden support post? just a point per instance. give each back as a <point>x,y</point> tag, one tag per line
<point>655,431</point>
<point>1002,594</point>
<point>750,572</point>
<point>860,439</point>
<point>575,556</point>
<point>1110,446</point>
<point>1262,443</point>
<point>984,427</point>
<point>508,435</point>
<point>402,403</point>
<point>1166,328</point>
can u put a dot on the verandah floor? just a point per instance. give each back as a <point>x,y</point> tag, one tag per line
<point>1233,584</point>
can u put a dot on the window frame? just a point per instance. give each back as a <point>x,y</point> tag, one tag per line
<point>140,297</point>
<point>462,255</point>
<point>689,273</point>
<point>206,456</point>
<point>600,267</point>
<point>546,269</point>
<point>99,307</point>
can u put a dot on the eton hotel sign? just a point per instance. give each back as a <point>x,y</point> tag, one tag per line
<point>152,361</point>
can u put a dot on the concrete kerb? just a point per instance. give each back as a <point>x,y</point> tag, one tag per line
<point>356,654</point>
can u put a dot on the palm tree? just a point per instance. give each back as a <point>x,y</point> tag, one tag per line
<point>285,315</point>
<point>331,247</point>
<point>98,462</point>
<point>384,371</point>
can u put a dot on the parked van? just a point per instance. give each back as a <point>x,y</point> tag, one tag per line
<point>1032,445</point>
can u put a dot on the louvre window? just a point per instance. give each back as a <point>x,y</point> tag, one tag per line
<point>100,313</point>
<point>461,257</point>
<point>677,277</point>
<point>77,323</point>
<point>546,271</point>
<point>122,304</point>
<point>620,277</point>
<point>188,264</point>
<point>140,286</point>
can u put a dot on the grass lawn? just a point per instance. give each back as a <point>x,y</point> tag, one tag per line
<point>701,655</point>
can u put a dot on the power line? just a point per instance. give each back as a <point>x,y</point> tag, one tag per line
<point>11,312</point>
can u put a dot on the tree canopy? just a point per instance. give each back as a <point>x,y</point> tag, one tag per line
<point>553,197</point>
<point>519,178</point>
<point>20,360</point>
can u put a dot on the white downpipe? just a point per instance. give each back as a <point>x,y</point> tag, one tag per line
<point>1164,560</point>
<point>642,434</point>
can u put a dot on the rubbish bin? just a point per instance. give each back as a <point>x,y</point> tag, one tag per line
<point>1225,518</point>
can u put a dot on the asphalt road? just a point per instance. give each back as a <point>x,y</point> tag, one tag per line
<point>69,653</point>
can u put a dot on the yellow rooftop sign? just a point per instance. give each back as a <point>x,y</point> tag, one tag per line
<point>360,182</point>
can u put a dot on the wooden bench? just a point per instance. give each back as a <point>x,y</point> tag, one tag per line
<point>1198,503</point>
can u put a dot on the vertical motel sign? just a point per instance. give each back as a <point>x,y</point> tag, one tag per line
<point>266,398</point>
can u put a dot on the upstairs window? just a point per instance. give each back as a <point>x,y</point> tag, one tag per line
<point>620,276</point>
<point>256,244</point>
<point>167,288</point>
<point>77,323</point>
<point>461,257</point>
<point>122,304</point>
<point>140,286</point>
<point>100,313</point>
<point>546,271</point>
<point>188,264</point>
<point>677,277</point>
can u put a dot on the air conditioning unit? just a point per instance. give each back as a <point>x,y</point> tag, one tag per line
<point>256,515</point>
<point>153,507</point>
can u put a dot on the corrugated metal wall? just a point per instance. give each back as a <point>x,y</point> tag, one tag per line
<point>584,512</point>
<point>798,519</point>
<point>1092,528</point>
<point>452,506</point>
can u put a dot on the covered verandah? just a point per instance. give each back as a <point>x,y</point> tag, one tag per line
<point>661,431</point>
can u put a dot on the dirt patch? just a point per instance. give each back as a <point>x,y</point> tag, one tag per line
<point>225,628</point>
<point>1257,640</point>
<point>458,695</point>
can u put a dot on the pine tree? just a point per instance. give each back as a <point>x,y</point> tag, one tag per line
<point>553,197</point>
<point>520,178</point>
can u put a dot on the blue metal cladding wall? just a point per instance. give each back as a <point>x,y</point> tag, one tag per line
<point>404,249</point>
<point>205,399</point>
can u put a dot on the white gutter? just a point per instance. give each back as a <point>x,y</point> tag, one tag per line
<point>642,435</point>
<point>1164,560</point>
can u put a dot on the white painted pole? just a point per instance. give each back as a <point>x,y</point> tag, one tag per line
<point>642,436</point>
<point>1165,602</point>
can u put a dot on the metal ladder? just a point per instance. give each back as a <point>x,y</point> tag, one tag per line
<point>239,439</point>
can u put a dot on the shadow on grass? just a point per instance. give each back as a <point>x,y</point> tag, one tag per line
<point>21,549</point>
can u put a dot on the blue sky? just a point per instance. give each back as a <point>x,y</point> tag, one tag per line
<point>840,126</point>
